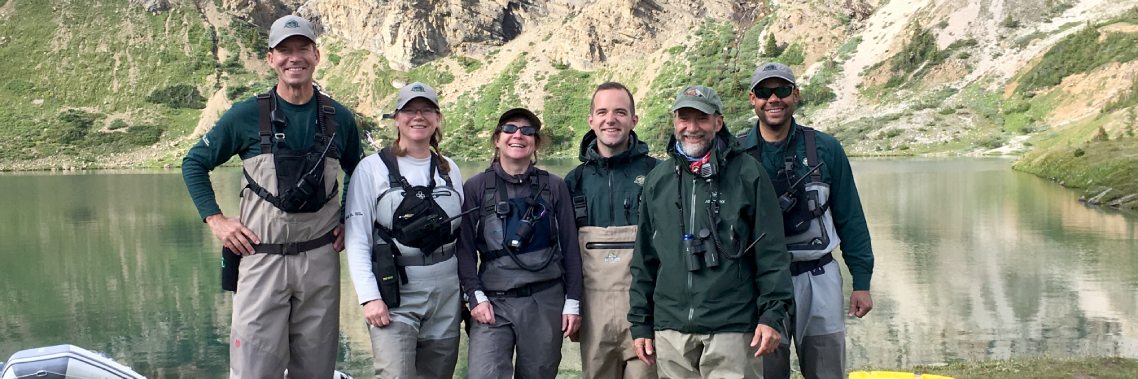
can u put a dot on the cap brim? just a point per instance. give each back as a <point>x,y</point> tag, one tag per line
<point>772,76</point>
<point>520,113</point>
<point>697,105</point>
<point>273,44</point>
<point>404,102</point>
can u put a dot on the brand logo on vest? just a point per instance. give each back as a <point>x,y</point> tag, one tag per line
<point>612,258</point>
<point>420,195</point>
<point>291,24</point>
<point>639,180</point>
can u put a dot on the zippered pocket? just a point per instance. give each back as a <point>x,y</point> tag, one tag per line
<point>609,245</point>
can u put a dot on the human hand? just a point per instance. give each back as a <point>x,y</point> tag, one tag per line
<point>338,231</point>
<point>570,324</point>
<point>232,234</point>
<point>860,303</point>
<point>483,313</point>
<point>376,313</point>
<point>645,350</point>
<point>766,339</point>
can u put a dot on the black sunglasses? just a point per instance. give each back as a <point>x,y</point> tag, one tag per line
<point>527,131</point>
<point>782,92</point>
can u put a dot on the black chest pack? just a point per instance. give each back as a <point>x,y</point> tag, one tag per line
<point>419,221</point>
<point>300,173</point>
<point>798,205</point>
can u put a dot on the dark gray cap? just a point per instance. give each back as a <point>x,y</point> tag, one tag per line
<point>701,98</point>
<point>414,91</point>
<point>289,26</point>
<point>771,70</point>
<point>520,113</point>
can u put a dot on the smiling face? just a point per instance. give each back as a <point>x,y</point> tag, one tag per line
<point>696,130</point>
<point>294,60</point>
<point>516,146</point>
<point>417,121</point>
<point>774,111</point>
<point>612,119</point>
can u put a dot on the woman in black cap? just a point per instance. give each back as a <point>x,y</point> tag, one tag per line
<point>402,219</point>
<point>525,295</point>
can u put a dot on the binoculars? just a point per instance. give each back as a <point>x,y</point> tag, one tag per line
<point>697,253</point>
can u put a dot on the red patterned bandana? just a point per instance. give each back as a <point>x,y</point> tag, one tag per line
<point>695,166</point>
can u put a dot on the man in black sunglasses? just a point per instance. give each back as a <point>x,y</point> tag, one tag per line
<point>820,209</point>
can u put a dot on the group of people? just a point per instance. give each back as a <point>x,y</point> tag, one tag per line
<point>707,263</point>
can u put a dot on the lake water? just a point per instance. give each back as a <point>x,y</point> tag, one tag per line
<point>973,261</point>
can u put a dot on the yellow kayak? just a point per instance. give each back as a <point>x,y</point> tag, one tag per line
<point>893,375</point>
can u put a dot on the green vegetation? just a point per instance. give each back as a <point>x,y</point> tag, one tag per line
<point>468,120</point>
<point>1080,52</point>
<point>178,96</point>
<point>1038,368</point>
<point>567,97</point>
<point>468,64</point>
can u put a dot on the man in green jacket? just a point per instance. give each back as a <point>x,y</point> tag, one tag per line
<point>710,272</point>
<point>606,199</point>
<point>820,209</point>
<point>293,142</point>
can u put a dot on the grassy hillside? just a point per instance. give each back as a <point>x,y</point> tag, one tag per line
<point>102,77</point>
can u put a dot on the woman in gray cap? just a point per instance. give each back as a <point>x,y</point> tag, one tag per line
<point>402,219</point>
<point>518,258</point>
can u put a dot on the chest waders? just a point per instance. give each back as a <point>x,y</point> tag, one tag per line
<point>288,296</point>
<point>419,224</point>
<point>302,180</point>
<point>518,238</point>
<point>819,324</point>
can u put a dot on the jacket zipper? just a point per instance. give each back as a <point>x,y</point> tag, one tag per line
<point>691,226</point>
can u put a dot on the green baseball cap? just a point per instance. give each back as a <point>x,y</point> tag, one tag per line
<point>701,98</point>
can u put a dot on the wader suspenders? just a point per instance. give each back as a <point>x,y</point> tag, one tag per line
<point>580,206</point>
<point>266,104</point>
<point>539,183</point>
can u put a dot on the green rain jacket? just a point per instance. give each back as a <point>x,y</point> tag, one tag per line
<point>614,184</point>
<point>845,204</point>
<point>738,294</point>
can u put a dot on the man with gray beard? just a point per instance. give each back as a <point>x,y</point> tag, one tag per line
<point>710,273</point>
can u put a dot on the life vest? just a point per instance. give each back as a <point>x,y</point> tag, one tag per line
<point>807,220</point>
<point>299,173</point>
<point>518,236</point>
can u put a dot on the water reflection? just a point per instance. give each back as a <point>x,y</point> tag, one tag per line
<point>974,261</point>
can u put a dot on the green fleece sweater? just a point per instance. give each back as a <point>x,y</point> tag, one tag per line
<point>845,204</point>
<point>237,133</point>
<point>741,292</point>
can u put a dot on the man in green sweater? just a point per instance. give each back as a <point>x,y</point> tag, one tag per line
<point>710,273</point>
<point>293,142</point>
<point>606,199</point>
<point>820,209</point>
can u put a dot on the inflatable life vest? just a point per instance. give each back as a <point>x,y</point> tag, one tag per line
<point>517,236</point>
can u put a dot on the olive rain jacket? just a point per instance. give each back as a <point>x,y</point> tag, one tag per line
<point>741,292</point>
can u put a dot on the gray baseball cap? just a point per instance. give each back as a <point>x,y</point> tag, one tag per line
<point>771,70</point>
<point>289,26</point>
<point>414,91</point>
<point>700,98</point>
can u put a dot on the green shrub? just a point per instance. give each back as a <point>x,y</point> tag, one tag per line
<point>1079,152</point>
<point>1079,52</point>
<point>469,64</point>
<point>178,96</point>
<point>793,55</point>
<point>117,124</point>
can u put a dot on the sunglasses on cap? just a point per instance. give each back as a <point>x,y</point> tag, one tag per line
<point>782,92</point>
<point>527,131</point>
